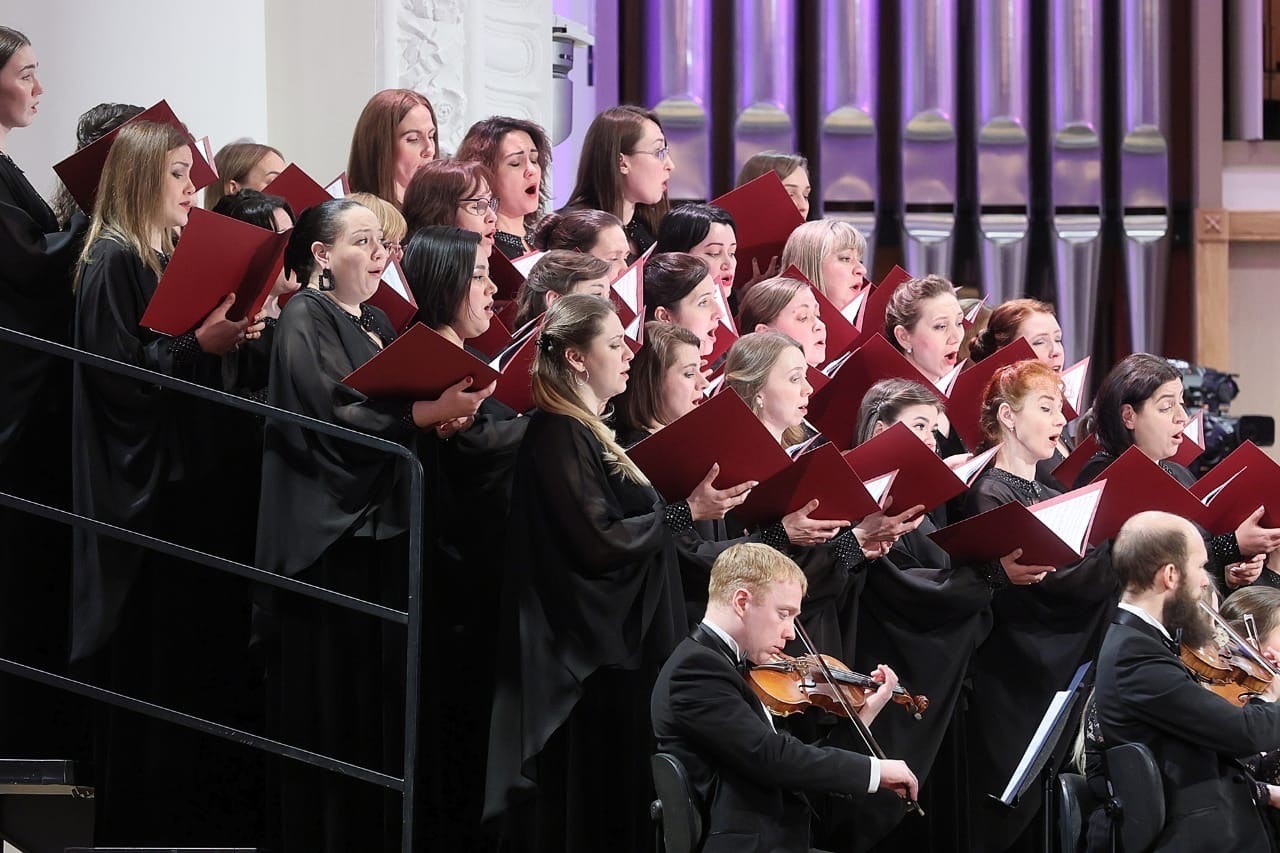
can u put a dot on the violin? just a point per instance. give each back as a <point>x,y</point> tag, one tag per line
<point>1236,674</point>
<point>788,685</point>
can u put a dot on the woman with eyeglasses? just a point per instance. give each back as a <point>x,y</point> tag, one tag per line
<point>453,192</point>
<point>625,168</point>
<point>518,153</point>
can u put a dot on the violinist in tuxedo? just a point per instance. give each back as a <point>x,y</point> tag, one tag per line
<point>754,783</point>
<point>1145,695</point>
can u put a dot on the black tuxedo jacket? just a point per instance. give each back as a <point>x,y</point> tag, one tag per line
<point>1145,695</point>
<point>749,779</point>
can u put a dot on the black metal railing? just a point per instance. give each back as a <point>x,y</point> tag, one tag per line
<point>411,617</point>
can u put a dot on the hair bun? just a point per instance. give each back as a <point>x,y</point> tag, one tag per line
<point>544,229</point>
<point>983,344</point>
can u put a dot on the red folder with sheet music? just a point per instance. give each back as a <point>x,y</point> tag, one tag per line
<point>922,477</point>
<point>833,409</point>
<point>298,188</point>
<point>721,430</point>
<point>1234,488</point>
<point>394,298</point>
<point>1135,483</point>
<point>80,172</point>
<point>765,216</point>
<point>421,364</point>
<point>505,276</point>
<point>515,386</point>
<point>1050,533</point>
<point>1069,469</point>
<point>217,255</point>
<point>627,295</point>
<point>819,473</point>
<point>1073,379</point>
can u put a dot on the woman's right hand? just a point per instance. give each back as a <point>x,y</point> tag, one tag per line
<point>774,267</point>
<point>1021,574</point>
<point>1252,538</point>
<point>455,402</point>
<point>216,334</point>
<point>707,502</point>
<point>804,530</point>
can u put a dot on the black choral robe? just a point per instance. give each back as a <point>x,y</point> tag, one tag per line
<point>1040,634</point>
<point>592,606</point>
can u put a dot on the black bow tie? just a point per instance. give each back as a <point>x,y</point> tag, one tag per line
<point>1176,643</point>
<point>744,666</point>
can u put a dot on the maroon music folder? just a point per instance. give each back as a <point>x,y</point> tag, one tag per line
<point>421,364</point>
<point>765,217</point>
<point>1069,469</point>
<point>821,474</point>
<point>833,409</point>
<point>1051,533</point>
<point>217,255</point>
<point>840,332</point>
<point>964,403</point>
<point>1234,488</point>
<point>721,430</point>
<point>394,298</point>
<point>1135,483</point>
<point>495,339</point>
<point>80,172</point>
<point>922,477</point>
<point>505,276</point>
<point>298,188</point>
<point>875,303</point>
<point>515,385</point>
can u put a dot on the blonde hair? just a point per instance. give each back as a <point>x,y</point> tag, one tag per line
<point>131,190</point>
<point>747,368</point>
<point>810,244</point>
<point>752,566</point>
<point>234,161</point>
<point>390,219</point>
<point>573,322</point>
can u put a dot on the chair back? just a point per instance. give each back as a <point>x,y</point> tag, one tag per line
<point>1137,791</point>
<point>676,808</point>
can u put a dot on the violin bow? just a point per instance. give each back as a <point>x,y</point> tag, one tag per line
<point>1254,654</point>
<point>863,730</point>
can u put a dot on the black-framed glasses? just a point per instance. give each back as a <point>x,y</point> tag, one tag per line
<point>662,153</point>
<point>479,206</point>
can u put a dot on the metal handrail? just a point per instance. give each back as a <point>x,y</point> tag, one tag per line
<point>411,617</point>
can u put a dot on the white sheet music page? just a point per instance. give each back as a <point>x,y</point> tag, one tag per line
<point>1070,516</point>
<point>878,487</point>
<point>1207,499</point>
<point>850,311</point>
<point>525,263</point>
<point>1194,430</point>
<point>337,188</point>
<point>948,381</point>
<point>969,470</point>
<point>1073,382</point>
<point>394,277</point>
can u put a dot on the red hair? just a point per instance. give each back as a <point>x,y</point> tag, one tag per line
<point>1013,384</point>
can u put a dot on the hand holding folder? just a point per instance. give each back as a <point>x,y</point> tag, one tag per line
<point>80,172</point>
<point>722,430</point>
<point>217,255</point>
<point>1236,487</point>
<point>1051,533</point>
<point>419,365</point>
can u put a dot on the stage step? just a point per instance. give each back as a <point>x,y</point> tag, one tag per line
<point>42,809</point>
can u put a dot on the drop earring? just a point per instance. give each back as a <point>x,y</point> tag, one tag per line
<point>326,279</point>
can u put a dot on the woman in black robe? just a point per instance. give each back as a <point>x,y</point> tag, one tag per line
<point>591,604</point>
<point>471,462</point>
<point>925,617</point>
<point>143,460</point>
<point>336,515</point>
<point>1140,404</point>
<point>36,259</point>
<point>1040,632</point>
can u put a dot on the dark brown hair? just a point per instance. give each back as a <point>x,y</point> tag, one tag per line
<point>884,402</point>
<point>483,144</point>
<point>576,230</point>
<point>434,191</point>
<point>765,300</point>
<point>371,164</point>
<point>640,407</point>
<point>670,277</point>
<point>233,162</point>
<point>1132,381</point>
<point>779,162</point>
<point>557,271</point>
<point>613,133</point>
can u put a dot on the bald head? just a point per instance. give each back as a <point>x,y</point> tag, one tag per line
<point>1150,541</point>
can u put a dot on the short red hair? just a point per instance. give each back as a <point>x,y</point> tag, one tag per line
<point>1013,384</point>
